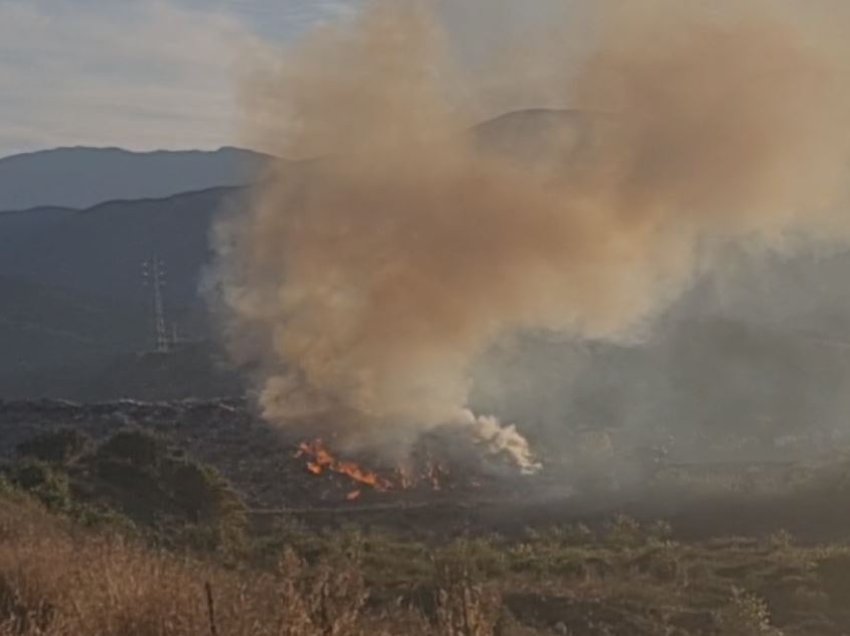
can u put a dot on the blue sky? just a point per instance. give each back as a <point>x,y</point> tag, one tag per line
<point>147,74</point>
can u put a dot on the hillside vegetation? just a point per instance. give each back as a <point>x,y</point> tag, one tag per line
<point>126,536</point>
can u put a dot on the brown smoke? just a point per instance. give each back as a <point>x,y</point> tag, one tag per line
<point>380,271</point>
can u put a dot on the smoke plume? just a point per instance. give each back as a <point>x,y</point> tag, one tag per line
<point>374,275</point>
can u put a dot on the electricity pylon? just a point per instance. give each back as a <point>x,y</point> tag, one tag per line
<point>153,271</point>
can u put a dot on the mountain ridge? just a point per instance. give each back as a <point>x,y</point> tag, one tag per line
<point>131,151</point>
<point>82,177</point>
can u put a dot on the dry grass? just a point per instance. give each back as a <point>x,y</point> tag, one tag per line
<point>55,580</point>
<point>60,580</point>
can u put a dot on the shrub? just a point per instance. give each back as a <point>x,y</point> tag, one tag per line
<point>41,480</point>
<point>128,477</point>
<point>746,615</point>
<point>136,446</point>
<point>659,531</point>
<point>624,531</point>
<point>201,493</point>
<point>781,540</point>
<point>216,514</point>
<point>464,604</point>
<point>59,447</point>
<point>329,595</point>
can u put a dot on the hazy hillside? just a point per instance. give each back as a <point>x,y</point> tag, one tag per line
<point>535,134</point>
<point>100,250</point>
<point>83,177</point>
<point>41,324</point>
<point>76,315</point>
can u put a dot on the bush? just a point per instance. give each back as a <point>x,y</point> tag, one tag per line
<point>216,514</point>
<point>625,531</point>
<point>59,447</point>
<point>128,477</point>
<point>746,615</point>
<point>103,519</point>
<point>781,540</point>
<point>464,604</point>
<point>39,478</point>
<point>201,493</point>
<point>483,558</point>
<point>138,447</point>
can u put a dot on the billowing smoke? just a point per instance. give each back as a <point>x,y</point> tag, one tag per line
<point>373,276</point>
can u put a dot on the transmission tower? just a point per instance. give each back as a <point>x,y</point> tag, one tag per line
<point>153,271</point>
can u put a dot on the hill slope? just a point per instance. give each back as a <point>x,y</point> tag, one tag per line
<point>100,250</point>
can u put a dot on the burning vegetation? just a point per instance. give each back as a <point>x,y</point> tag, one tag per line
<point>433,467</point>
<point>321,460</point>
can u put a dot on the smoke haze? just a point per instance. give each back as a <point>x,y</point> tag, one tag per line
<point>374,277</point>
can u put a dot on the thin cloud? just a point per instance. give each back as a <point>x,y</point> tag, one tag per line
<point>156,75</point>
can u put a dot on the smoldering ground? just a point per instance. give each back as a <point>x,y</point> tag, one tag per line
<point>377,275</point>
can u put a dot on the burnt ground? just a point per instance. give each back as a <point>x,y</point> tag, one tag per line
<point>262,464</point>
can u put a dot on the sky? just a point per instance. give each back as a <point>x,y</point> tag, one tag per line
<point>141,74</point>
<point>149,74</point>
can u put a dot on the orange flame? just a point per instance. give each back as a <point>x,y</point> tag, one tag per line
<point>321,460</point>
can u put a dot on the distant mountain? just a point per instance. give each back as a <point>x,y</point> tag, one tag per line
<point>536,135</point>
<point>83,177</point>
<point>57,342</point>
<point>50,336</point>
<point>72,299</point>
<point>43,324</point>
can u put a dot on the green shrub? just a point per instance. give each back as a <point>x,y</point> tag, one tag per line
<point>41,480</point>
<point>128,477</point>
<point>216,517</point>
<point>59,447</point>
<point>136,446</point>
<point>102,518</point>
<point>200,492</point>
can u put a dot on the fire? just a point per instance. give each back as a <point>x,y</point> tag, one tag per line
<point>421,473</point>
<point>321,460</point>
